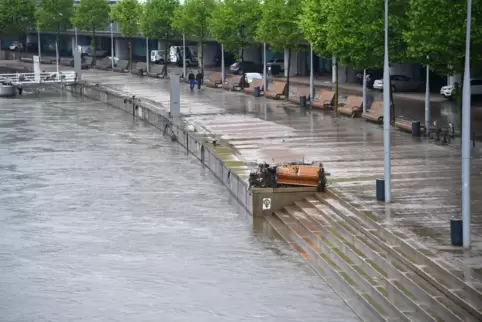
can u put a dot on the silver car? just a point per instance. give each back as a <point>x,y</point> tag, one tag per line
<point>400,83</point>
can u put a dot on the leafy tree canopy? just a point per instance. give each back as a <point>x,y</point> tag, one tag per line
<point>16,16</point>
<point>192,18</point>
<point>436,28</point>
<point>313,23</point>
<point>233,23</point>
<point>157,18</point>
<point>278,26</point>
<point>54,15</point>
<point>126,13</point>
<point>91,15</point>
<point>356,29</point>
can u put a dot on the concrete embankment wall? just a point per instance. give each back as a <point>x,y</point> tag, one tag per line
<point>195,144</point>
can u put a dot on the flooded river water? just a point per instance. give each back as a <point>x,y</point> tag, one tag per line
<point>103,219</point>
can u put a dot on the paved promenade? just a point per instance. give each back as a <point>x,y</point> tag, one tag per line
<point>426,176</point>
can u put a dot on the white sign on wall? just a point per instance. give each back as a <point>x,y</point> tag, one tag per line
<point>266,203</point>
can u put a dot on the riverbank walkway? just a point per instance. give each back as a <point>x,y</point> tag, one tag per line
<point>426,177</point>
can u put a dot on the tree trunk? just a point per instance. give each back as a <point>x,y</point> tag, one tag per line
<point>166,50</point>
<point>287,92</point>
<point>337,90</point>
<point>201,63</point>
<point>242,54</point>
<point>94,48</point>
<point>130,55</point>
<point>392,102</point>
<point>57,44</point>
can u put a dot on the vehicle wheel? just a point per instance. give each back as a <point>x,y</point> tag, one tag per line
<point>240,72</point>
<point>161,61</point>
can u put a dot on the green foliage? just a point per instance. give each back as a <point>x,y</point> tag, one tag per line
<point>278,26</point>
<point>16,16</point>
<point>157,18</point>
<point>91,15</point>
<point>54,15</point>
<point>312,22</point>
<point>355,32</point>
<point>436,28</point>
<point>233,23</point>
<point>193,17</point>
<point>127,13</point>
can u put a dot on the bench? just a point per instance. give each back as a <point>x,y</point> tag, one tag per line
<point>375,113</point>
<point>122,66</point>
<point>294,96</point>
<point>155,71</point>
<point>323,99</point>
<point>406,125</point>
<point>276,90</point>
<point>214,79</point>
<point>233,82</point>
<point>103,64</point>
<point>254,83</point>
<point>140,69</point>
<point>352,106</point>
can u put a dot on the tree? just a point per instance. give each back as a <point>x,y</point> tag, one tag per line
<point>279,28</point>
<point>54,15</point>
<point>16,16</point>
<point>436,28</point>
<point>233,24</point>
<point>192,18</point>
<point>156,22</point>
<point>355,33</point>
<point>127,13</point>
<point>92,15</point>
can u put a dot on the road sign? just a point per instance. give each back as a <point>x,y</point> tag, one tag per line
<point>266,203</point>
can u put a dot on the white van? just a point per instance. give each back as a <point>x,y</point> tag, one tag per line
<point>157,57</point>
<point>475,88</point>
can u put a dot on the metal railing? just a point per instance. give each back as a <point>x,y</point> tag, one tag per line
<point>39,78</point>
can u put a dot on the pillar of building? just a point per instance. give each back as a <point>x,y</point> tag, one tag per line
<point>253,53</point>
<point>210,50</point>
<point>294,63</point>
<point>121,48</point>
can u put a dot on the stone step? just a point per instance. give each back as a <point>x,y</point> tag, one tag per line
<point>391,289</point>
<point>462,299</point>
<point>372,295</point>
<point>352,298</point>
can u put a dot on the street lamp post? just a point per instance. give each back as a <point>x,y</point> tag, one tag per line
<point>312,72</point>
<point>265,72</point>
<point>222,64</point>
<point>466,102</point>
<point>183,55</point>
<point>427,99</point>
<point>112,43</point>
<point>39,45</point>
<point>147,54</point>
<point>76,41</point>
<point>386,114</point>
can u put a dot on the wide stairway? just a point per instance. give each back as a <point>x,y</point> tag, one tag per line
<point>378,274</point>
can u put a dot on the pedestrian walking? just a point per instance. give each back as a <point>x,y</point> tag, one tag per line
<point>192,80</point>
<point>199,79</point>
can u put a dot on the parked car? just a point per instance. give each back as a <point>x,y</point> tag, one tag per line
<point>372,75</point>
<point>248,77</point>
<point>242,67</point>
<point>400,83</point>
<point>116,60</point>
<point>475,88</point>
<point>157,57</point>
<point>17,45</point>
<point>276,62</point>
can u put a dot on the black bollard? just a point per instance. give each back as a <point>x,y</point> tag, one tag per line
<point>380,189</point>
<point>20,90</point>
<point>257,91</point>
<point>415,128</point>
<point>456,232</point>
<point>302,101</point>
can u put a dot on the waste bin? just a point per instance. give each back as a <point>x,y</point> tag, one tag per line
<point>302,101</point>
<point>380,189</point>
<point>415,128</point>
<point>257,91</point>
<point>456,232</point>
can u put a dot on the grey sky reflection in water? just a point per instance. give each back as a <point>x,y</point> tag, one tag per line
<point>101,219</point>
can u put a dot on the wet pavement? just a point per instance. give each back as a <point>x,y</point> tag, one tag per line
<point>103,219</point>
<point>426,177</point>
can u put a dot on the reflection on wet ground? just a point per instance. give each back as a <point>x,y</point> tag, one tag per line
<point>426,176</point>
<point>102,219</point>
